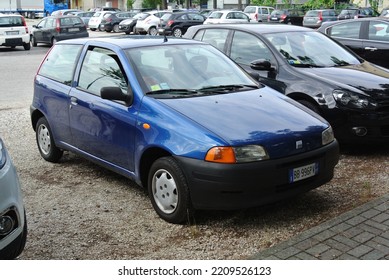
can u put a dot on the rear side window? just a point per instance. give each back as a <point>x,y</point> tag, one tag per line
<point>60,63</point>
<point>215,37</point>
<point>346,30</point>
<point>11,21</point>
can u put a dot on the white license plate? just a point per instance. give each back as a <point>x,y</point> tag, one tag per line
<point>303,172</point>
<point>74,29</point>
<point>12,32</point>
<point>274,18</point>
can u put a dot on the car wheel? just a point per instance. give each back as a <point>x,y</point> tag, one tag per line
<point>153,31</point>
<point>34,43</point>
<point>27,46</point>
<point>93,29</point>
<point>177,32</point>
<point>17,246</point>
<point>44,138</point>
<point>100,29</point>
<point>115,28</point>
<point>309,105</point>
<point>168,191</point>
<point>53,41</point>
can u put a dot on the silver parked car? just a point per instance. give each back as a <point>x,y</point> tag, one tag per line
<point>13,224</point>
<point>315,18</point>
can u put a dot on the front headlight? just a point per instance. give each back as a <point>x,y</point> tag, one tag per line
<point>3,157</point>
<point>353,100</point>
<point>327,136</point>
<point>248,153</point>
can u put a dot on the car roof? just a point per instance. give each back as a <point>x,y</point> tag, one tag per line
<point>135,41</point>
<point>257,28</point>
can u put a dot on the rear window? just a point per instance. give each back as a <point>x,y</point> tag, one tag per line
<point>165,17</point>
<point>11,21</point>
<point>312,13</point>
<point>70,21</point>
<point>249,10</point>
<point>59,65</point>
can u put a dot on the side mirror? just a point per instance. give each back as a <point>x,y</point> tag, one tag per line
<point>261,64</point>
<point>115,93</point>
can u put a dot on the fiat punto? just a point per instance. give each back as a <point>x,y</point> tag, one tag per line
<point>180,118</point>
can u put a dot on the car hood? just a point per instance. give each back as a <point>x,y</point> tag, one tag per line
<point>363,78</point>
<point>264,117</point>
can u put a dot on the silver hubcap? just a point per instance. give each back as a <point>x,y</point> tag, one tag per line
<point>177,33</point>
<point>153,32</point>
<point>44,139</point>
<point>165,191</point>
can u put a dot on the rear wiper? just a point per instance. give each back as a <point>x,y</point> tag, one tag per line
<point>225,88</point>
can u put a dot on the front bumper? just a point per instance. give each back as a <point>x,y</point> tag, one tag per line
<point>237,186</point>
<point>356,127</point>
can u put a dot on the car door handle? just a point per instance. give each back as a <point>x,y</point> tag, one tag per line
<point>370,49</point>
<point>73,101</point>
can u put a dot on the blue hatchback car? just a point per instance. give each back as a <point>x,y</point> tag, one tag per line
<point>180,118</point>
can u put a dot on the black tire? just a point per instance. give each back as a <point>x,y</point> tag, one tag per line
<point>34,43</point>
<point>168,191</point>
<point>153,31</point>
<point>115,28</point>
<point>309,105</point>
<point>44,139</point>
<point>53,41</point>
<point>27,46</point>
<point>93,29</point>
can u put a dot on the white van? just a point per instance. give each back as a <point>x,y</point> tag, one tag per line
<point>258,13</point>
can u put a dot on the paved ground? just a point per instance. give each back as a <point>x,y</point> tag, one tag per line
<point>362,233</point>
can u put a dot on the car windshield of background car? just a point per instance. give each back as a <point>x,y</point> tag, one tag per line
<point>311,49</point>
<point>190,67</point>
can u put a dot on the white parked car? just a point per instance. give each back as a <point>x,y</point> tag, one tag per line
<point>14,31</point>
<point>227,16</point>
<point>148,22</point>
<point>13,224</point>
<point>95,20</point>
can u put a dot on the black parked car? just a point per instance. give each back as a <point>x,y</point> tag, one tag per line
<point>111,22</point>
<point>313,69</point>
<point>176,24</point>
<point>353,13</point>
<point>128,25</point>
<point>53,29</point>
<point>286,16</point>
<point>368,37</point>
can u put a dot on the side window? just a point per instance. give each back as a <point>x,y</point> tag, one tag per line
<point>215,37</point>
<point>245,48</point>
<point>50,22</point>
<point>59,65</point>
<point>101,68</point>
<point>346,30</point>
<point>378,31</point>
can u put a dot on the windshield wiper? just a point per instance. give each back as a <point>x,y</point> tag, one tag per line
<point>306,65</point>
<point>172,90</point>
<point>225,88</point>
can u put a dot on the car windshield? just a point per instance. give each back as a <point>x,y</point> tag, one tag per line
<point>187,70</point>
<point>311,49</point>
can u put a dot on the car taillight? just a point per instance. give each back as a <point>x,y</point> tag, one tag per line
<point>320,16</point>
<point>256,16</point>
<point>170,22</point>
<point>25,24</point>
<point>283,17</point>
<point>109,19</point>
<point>57,25</point>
